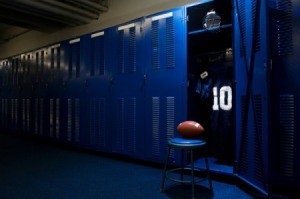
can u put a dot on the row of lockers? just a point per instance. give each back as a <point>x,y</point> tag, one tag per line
<point>93,123</point>
<point>120,90</point>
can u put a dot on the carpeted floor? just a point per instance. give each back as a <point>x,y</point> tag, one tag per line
<point>33,170</point>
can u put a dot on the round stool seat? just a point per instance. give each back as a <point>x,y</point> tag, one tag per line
<point>183,143</point>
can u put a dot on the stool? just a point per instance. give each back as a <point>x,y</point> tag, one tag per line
<point>190,145</point>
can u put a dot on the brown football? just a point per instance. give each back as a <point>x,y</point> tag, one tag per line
<point>190,129</point>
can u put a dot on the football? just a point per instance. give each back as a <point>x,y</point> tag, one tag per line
<point>190,129</point>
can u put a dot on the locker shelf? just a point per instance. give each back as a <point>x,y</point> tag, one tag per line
<point>210,29</point>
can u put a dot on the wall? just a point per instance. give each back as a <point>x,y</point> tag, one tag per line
<point>119,11</point>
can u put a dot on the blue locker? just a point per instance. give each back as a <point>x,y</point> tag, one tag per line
<point>54,92</point>
<point>165,79</point>
<point>97,90</point>
<point>74,86</point>
<point>252,98</point>
<point>39,93</point>
<point>64,86</point>
<point>127,89</point>
<point>284,136</point>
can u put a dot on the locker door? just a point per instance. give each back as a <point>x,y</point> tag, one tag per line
<point>97,88</point>
<point>72,86</point>
<point>285,93</point>
<point>127,90</point>
<point>250,45</point>
<point>165,79</point>
<point>62,87</point>
<point>55,92</point>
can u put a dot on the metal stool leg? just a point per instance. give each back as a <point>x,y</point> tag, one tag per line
<point>182,166</point>
<point>192,173</point>
<point>165,170</point>
<point>208,173</point>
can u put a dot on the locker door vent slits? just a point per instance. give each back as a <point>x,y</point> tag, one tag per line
<point>69,120</point>
<point>281,27</point>
<point>244,167</point>
<point>12,113</point>
<point>170,116</point>
<point>242,14</point>
<point>127,48</point>
<point>132,50</point>
<point>287,135</point>
<point>118,124</point>
<point>36,115</point>
<point>131,125</point>
<point>97,54</point>
<point>101,122</point>
<point>258,167</point>
<point>41,116</point>
<point>121,67</point>
<point>97,122</point>
<point>74,58</point>
<point>6,113</point>
<point>101,56</point>
<point>28,115</point>
<point>155,126</point>
<point>256,18</point>
<point>57,118</point>
<point>77,120</point>
<point>51,117</point>
<point>170,46</point>
<point>54,117</point>
<point>24,115</point>
<point>92,121</point>
<point>170,120</point>
<point>16,123</point>
<point>155,45</point>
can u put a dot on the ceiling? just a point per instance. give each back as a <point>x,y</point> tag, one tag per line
<point>20,16</point>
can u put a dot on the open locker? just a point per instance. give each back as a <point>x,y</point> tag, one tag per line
<point>210,79</point>
<point>228,85</point>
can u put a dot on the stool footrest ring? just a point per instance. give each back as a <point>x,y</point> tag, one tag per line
<point>183,181</point>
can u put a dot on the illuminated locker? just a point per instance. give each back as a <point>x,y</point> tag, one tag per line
<point>127,86</point>
<point>165,79</point>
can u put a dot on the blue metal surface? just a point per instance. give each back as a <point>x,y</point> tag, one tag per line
<point>127,89</point>
<point>165,79</point>
<point>252,100</point>
<point>96,95</point>
<point>285,91</point>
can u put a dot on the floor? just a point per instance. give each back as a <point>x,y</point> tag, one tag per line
<point>30,168</point>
